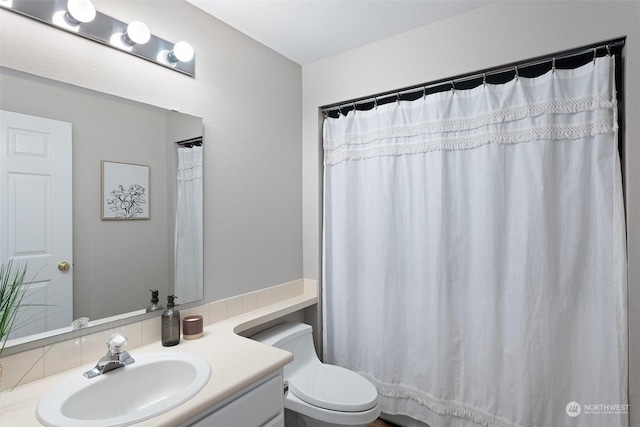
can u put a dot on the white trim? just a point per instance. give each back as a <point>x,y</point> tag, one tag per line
<point>439,406</point>
<point>517,112</point>
<point>541,133</point>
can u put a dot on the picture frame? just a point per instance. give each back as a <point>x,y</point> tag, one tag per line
<point>124,191</point>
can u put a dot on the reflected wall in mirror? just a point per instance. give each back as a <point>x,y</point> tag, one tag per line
<point>115,263</point>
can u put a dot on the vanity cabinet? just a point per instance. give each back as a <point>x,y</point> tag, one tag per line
<point>259,405</point>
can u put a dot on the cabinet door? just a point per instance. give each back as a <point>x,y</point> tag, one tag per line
<point>256,408</point>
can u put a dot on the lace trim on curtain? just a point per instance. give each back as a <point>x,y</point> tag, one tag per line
<point>189,164</point>
<point>439,406</point>
<point>517,112</point>
<point>190,173</point>
<point>541,133</point>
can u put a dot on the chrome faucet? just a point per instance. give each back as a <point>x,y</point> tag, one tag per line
<point>114,359</point>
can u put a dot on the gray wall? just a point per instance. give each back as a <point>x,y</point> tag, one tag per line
<point>249,98</point>
<point>499,33</point>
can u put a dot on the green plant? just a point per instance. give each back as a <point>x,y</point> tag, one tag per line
<point>12,293</point>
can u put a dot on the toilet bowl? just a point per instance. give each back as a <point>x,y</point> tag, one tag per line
<point>319,394</point>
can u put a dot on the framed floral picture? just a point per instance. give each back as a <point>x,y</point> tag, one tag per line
<point>125,191</point>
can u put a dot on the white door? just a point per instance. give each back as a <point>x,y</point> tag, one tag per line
<point>36,215</point>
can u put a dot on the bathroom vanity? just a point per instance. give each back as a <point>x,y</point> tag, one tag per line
<point>245,387</point>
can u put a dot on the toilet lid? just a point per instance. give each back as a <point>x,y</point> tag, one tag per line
<point>335,388</point>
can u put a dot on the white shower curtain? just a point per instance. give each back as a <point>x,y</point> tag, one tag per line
<point>188,239</point>
<point>474,253</point>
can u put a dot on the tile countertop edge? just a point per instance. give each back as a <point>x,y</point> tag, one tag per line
<point>236,362</point>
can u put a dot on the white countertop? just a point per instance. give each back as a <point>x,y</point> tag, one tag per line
<point>236,362</point>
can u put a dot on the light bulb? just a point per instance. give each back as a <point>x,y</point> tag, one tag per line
<point>182,51</point>
<point>80,11</point>
<point>137,33</point>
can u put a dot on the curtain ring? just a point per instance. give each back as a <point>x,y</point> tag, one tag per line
<point>375,103</point>
<point>453,86</point>
<point>595,54</point>
<point>398,97</point>
<point>354,108</point>
<point>517,75</point>
<point>424,91</point>
<point>608,51</point>
<point>324,111</point>
<point>484,79</point>
<point>553,65</point>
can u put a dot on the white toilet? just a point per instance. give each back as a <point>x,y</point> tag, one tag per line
<point>319,395</point>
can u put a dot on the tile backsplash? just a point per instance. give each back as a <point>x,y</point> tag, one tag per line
<point>59,357</point>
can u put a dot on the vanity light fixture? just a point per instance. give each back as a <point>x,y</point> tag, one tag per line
<point>80,17</point>
<point>75,13</point>
<point>80,11</point>
<point>136,33</point>
<point>181,52</point>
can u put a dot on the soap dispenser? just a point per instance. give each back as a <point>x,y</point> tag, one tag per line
<point>154,306</point>
<point>170,324</point>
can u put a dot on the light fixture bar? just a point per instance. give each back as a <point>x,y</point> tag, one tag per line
<point>102,30</point>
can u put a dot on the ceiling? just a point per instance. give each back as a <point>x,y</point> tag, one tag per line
<point>306,31</point>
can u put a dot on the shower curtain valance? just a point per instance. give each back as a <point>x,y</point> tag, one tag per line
<point>538,109</point>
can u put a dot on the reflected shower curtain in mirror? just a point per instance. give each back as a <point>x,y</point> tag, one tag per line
<point>474,252</point>
<point>188,238</point>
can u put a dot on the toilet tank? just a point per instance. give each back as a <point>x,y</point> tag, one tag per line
<point>293,337</point>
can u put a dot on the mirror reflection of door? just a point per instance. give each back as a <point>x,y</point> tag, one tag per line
<point>36,216</point>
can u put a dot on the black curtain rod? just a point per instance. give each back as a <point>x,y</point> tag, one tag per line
<point>534,67</point>
<point>190,142</point>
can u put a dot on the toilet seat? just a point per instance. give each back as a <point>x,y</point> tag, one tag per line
<point>334,388</point>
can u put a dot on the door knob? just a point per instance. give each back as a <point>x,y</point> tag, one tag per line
<point>64,266</point>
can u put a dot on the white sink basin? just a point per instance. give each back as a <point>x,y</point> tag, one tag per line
<point>154,384</point>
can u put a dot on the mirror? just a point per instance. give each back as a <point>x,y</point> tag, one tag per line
<point>115,262</point>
